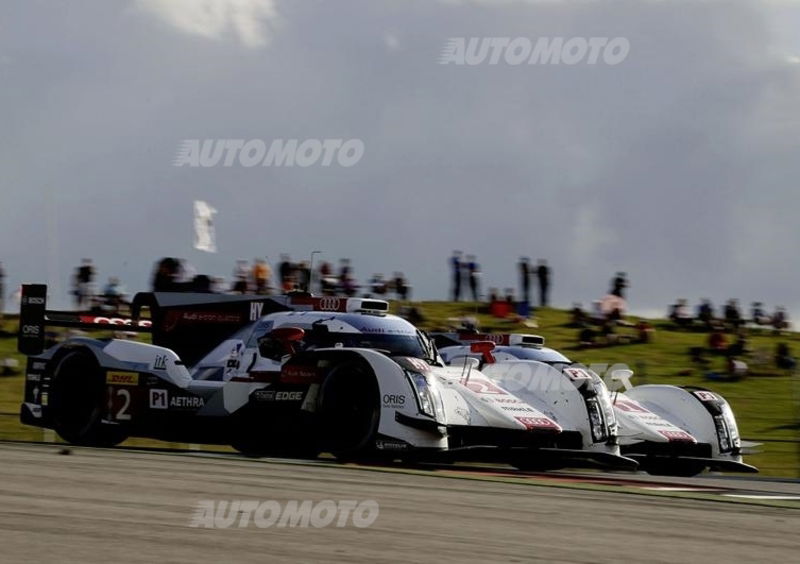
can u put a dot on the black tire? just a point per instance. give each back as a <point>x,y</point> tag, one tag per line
<point>350,411</point>
<point>673,467</point>
<point>77,399</point>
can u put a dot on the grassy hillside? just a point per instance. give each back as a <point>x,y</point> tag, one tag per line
<point>766,403</point>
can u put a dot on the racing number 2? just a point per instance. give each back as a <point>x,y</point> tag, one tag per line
<point>119,403</point>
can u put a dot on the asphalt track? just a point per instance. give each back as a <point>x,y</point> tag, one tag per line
<point>122,505</point>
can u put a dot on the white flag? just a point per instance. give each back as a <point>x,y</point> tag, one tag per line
<point>204,238</point>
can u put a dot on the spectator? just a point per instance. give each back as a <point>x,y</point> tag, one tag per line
<point>784,358</point>
<point>84,284</point>
<point>401,287</point>
<point>474,275</point>
<point>780,320</point>
<point>378,285</point>
<point>717,341</point>
<point>327,280</point>
<point>456,273</point>
<point>165,277</point>
<point>114,294</point>
<point>680,314</point>
<point>705,313</point>
<point>261,276</point>
<point>302,276</point>
<point>494,295</point>
<point>240,276</point>
<point>733,318</point>
<point>579,317</point>
<point>644,331</point>
<point>543,274</point>
<point>286,273</point>
<point>619,284</point>
<point>758,315</point>
<point>525,278</point>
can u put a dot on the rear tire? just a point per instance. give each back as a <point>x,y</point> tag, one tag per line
<point>350,411</point>
<point>77,400</point>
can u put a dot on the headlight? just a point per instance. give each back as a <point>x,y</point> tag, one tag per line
<point>599,430</point>
<point>727,431</point>
<point>428,399</point>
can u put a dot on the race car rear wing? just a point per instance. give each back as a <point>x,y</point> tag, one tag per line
<point>190,324</point>
<point>34,317</point>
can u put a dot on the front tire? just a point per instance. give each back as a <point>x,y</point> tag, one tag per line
<point>350,411</point>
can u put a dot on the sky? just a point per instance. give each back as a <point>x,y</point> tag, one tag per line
<point>677,165</point>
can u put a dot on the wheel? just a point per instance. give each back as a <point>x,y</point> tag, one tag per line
<point>350,411</point>
<point>673,467</point>
<point>77,399</point>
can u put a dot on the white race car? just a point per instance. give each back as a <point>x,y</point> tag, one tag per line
<point>290,375</point>
<point>669,430</point>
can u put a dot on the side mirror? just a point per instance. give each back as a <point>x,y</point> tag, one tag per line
<point>279,342</point>
<point>621,380</point>
<point>484,348</point>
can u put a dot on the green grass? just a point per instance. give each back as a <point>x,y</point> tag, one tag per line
<point>766,403</point>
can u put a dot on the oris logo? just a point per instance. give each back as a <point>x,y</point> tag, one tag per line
<point>394,400</point>
<point>30,330</point>
<point>330,304</point>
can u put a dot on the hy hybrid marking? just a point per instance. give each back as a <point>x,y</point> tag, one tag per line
<point>544,51</point>
<point>280,152</point>
<point>212,514</point>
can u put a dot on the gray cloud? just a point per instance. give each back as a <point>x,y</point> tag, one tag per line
<point>675,165</point>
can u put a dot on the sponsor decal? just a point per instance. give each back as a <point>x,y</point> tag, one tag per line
<point>279,395</point>
<point>394,401</point>
<point>100,320</point>
<point>496,338</point>
<point>38,366</point>
<point>518,408</point>
<point>537,422</point>
<point>186,402</point>
<point>159,399</point>
<point>122,378</point>
<point>33,377</point>
<point>255,310</point>
<point>298,374</point>
<point>484,387</point>
<point>174,318</point>
<point>160,363</point>
<point>390,445</point>
<point>677,436</point>
<point>45,399</point>
<point>703,395</point>
<point>413,364</point>
<point>31,330</point>
<point>577,374</point>
<point>629,406</point>
<point>30,300</point>
<point>264,395</point>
